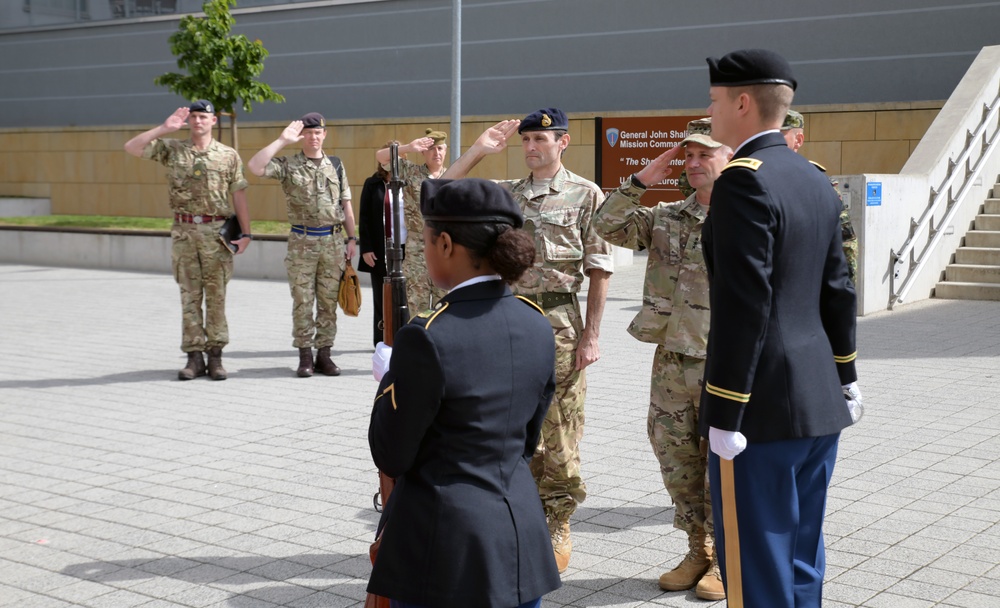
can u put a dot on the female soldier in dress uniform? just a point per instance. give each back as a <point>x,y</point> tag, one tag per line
<point>458,414</point>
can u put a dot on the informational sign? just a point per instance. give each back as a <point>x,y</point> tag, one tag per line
<point>873,192</point>
<point>626,145</point>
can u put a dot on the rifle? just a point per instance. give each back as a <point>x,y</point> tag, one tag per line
<point>395,314</point>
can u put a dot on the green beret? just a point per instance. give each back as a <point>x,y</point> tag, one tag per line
<point>439,137</point>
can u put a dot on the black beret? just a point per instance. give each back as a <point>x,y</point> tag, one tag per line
<point>202,105</point>
<point>546,119</point>
<point>750,66</point>
<point>313,120</point>
<point>468,200</point>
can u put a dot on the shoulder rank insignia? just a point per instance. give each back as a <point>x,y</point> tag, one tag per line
<point>818,166</point>
<point>750,163</point>
<point>427,317</point>
<point>531,304</point>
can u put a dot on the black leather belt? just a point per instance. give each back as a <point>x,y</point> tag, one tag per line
<point>549,299</point>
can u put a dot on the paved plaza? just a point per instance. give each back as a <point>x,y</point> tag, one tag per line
<point>123,487</point>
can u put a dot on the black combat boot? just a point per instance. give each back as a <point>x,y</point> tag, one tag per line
<point>215,369</point>
<point>324,364</point>
<point>305,363</point>
<point>195,367</point>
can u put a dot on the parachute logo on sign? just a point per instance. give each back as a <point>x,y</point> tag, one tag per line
<point>612,136</point>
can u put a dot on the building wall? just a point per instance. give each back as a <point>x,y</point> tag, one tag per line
<point>84,170</point>
<point>358,60</point>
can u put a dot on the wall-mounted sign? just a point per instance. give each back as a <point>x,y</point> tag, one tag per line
<point>626,145</point>
<point>873,194</point>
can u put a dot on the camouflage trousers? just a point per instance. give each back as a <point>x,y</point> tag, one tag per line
<point>421,294</point>
<point>556,462</point>
<point>672,426</point>
<point>314,265</point>
<point>202,266</point>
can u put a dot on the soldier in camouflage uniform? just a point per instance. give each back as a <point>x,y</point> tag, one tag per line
<point>319,209</point>
<point>558,209</point>
<point>421,294</point>
<point>675,317</point>
<point>793,131</point>
<point>201,174</point>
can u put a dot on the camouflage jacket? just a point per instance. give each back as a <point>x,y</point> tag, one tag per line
<point>675,312</point>
<point>312,192</point>
<point>199,181</point>
<point>566,245</point>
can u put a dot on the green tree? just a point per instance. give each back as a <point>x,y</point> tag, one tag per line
<point>220,68</point>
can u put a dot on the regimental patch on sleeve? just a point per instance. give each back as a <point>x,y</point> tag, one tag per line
<point>750,163</point>
<point>531,304</point>
<point>818,166</point>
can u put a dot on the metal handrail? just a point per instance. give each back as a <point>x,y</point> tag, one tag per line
<point>942,195</point>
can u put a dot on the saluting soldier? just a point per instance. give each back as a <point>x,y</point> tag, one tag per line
<point>781,346</point>
<point>319,210</point>
<point>675,317</point>
<point>793,131</point>
<point>202,174</point>
<point>558,208</point>
<point>464,525</point>
<point>421,294</point>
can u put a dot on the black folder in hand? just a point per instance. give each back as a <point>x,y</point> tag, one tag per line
<point>230,232</point>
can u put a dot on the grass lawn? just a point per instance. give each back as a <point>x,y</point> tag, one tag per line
<point>121,223</point>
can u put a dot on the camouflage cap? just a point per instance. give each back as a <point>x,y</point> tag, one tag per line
<point>793,120</point>
<point>439,137</point>
<point>700,132</point>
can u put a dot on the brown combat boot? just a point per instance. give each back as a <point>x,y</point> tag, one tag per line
<point>324,364</point>
<point>562,544</point>
<point>694,565</point>
<point>195,367</point>
<point>215,369</point>
<point>305,363</point>
<point>710,586</point>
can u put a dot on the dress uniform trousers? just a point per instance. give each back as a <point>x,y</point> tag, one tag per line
<point>781,486</point>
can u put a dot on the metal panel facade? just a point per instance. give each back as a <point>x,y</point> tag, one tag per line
<point>388,59</point>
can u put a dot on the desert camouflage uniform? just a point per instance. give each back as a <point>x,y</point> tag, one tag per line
<point>421,294</point>
<point>200,182</point>
<point>567,248</point>
<point>314,263</point>
<point>675,317</point>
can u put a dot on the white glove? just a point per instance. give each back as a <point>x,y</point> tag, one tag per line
<point>853,395</point>
<point>380,360</point>
<point>727,444</point>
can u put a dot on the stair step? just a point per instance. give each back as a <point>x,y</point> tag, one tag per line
<point>987,221</point>
<point>967,291</point>
<point>972,273</point>
<point>982,238</point>
<point>982,256</point>
<point>992,206</point>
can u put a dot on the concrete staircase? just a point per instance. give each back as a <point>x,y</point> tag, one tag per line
<point>975,275</point>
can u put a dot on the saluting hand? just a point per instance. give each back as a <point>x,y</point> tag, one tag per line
<point>659,168</point>
<point>418,145</point>
<point>494,139</point>
<point>292,133</point>
<point>176,121</point>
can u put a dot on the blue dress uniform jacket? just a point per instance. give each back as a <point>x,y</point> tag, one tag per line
<point>772,242</point>
<point>456,420</point>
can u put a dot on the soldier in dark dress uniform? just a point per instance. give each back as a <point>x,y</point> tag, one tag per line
<point>458,414</point>
<point>781,344</point>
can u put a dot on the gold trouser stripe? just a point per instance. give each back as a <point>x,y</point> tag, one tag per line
<point>846,358</point>
<point>731,530</point>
